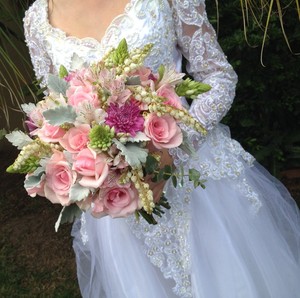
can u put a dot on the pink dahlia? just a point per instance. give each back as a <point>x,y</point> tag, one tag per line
<point>126,118</point>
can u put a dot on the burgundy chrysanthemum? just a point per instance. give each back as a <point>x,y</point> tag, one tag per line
<point>126,118</point>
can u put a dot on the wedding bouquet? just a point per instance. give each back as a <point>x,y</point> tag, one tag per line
<point>89,138</point>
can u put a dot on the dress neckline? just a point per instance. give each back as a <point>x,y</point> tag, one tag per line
<point>89,40</point>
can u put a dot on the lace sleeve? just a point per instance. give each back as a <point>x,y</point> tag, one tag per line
<point>206,61</point>
<point>35,41</point>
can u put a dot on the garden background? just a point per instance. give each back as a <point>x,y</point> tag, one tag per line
<point>265,118</point>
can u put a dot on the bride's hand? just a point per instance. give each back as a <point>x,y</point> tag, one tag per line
<point>157,187</point>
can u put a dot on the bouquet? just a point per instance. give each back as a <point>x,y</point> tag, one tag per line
<point>88,141</point>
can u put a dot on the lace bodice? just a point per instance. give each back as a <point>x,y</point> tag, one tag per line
<point>180,28</point>
<point>176,28</point>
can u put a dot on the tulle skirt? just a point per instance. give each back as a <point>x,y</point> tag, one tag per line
<point>238,237</point>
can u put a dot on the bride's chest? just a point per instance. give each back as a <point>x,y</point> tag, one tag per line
<point>143,21</point>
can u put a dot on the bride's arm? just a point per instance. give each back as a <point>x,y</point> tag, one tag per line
<point>206,61</point>
<point>35,41</point>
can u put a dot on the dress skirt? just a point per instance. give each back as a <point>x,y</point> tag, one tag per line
<point>238,237</point>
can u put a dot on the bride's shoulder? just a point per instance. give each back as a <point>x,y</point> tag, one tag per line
<point>36,15</point>
<point>36,10</point>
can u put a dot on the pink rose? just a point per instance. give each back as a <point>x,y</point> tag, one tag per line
<point>79,94</point>
<point>93,167</point>
<point>118,201</point>
<point>50,133</point>
<point>59,179</point>
<point>76,138</point>
<point>167,91</point>
<point>163,131</point>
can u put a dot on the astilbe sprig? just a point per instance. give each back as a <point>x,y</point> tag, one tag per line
<point>29,158</point>
<point>145,193</point>
<point>122,60</point>
<point>181,115</point>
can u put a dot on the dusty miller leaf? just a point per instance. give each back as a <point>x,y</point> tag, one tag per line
<point>28,107</point>
<point>19,139</point>
<point>139,137</point>
<point>67,214</point>
<point>134,155</point>
<point>60,115</point>
<point>77,62</point>
<point>57,84</point>
<point>35,179</point>
<point>78,193</point>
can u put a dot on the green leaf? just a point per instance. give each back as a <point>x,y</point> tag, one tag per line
<point>134,155</point>
<point>174,181</point>
<point>19,139</point>
<point>62,72</point>
<point>151,164</point>
<point>148,217</point>
<point>57,84</point>
<point>167,172</point>
<point>78,193</point>
<point>67,214</point>
<point>60,115</point>
<point>194,175</point>
<point>154,178</point>
<point>161,72</point>
<point>160,175</point>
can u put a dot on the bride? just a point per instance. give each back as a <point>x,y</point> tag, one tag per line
<point>240,237</point>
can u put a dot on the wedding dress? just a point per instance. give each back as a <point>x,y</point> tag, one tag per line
<point>239,237</point>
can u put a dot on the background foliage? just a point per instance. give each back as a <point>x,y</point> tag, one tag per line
<point>16,74</point>
<point>265,117</point>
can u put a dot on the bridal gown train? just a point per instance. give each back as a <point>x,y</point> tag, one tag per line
<point>240,237</point>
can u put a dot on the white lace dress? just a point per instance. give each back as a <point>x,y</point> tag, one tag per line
<point>240,237</point>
